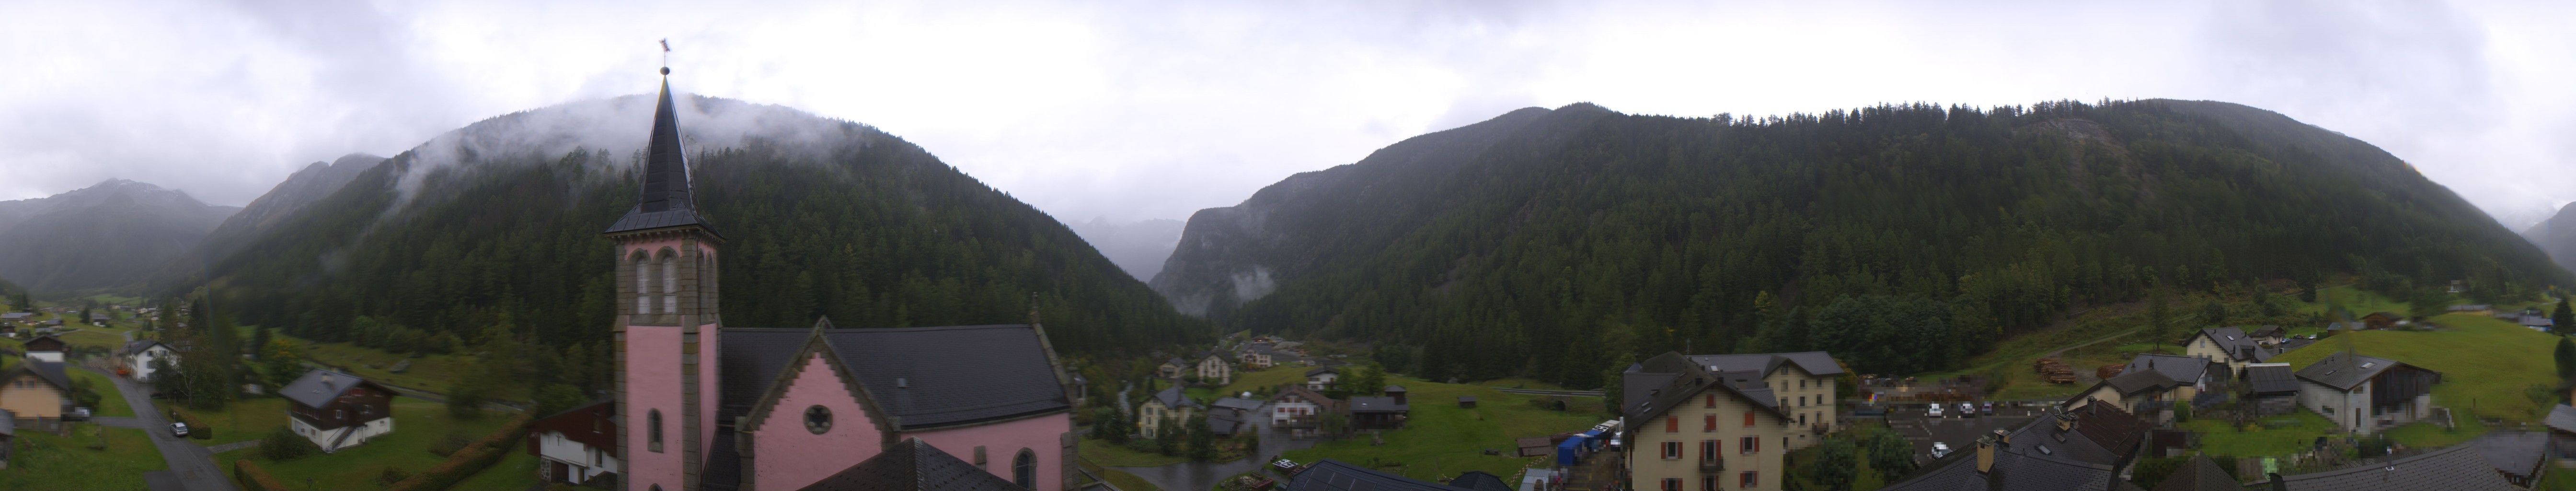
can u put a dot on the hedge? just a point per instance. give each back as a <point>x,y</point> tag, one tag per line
<point>196,429</point>
<point>253,478</point>
<point>469,460</point>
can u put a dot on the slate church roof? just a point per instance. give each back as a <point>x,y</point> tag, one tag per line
<point>927,377</point>
<point>912,466</point>
<point>667,200</point>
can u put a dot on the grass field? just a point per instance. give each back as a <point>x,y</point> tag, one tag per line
<point>2487,365</point>
<point>93,336</point>
<point>1127,482</point>
<point>1262,382</point>
<point>111,402</point>
<point>515,472</point>
<point>2354,299</point>
<point>431,373</point>
<point>2273,436</point>
<point>418,424</point>
<point>1441,440</point>
<point>246,419</point>
<point>1110,454</point>
<point>45,461</point>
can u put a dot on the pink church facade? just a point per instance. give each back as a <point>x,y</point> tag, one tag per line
<point>702,406</point>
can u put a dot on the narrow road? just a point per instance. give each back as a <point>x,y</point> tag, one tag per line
<point>192,467</point>
<point>1204,475</point>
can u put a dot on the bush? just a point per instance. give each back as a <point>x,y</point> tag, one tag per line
<point>466,461</point>
<point>284,445</point>
<point>455,440</point>
<point>253,478</point>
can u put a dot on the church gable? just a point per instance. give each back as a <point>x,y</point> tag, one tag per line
<point>814,420</point>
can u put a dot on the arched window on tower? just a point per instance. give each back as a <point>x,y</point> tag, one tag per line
<point>1024,469</point>
<point>643,283</point>
<point>670,283</point>
<point>653,427</point>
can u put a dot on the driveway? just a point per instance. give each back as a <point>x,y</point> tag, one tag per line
<point>1204,475</point>
<point>192,467</point>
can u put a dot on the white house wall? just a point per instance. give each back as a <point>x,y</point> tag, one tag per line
<point>324,438</point>
<point>586,462</point>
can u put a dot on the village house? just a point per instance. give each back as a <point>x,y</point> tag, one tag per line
<point>2562,433</point>
<point>706,407</point>
<point>1683,431</point>
<point>1214,370</point>
<point>2522,457</point>
<point>2230,346</point>
<point>2383,320</point>
<point>1167,409</point>
<point>2151,384</point>
<point>2472,309</point>
<point>1229,415</point>
<point>2362,394</point>
<point>337,410</point>
<point>1323,378</point>
<point>1386,412</point>
<point>98,319</point>
<point>2079,449</point>
<point>137,357</point>
<point>37,394</point>
<point>1299,409</point>
<point>1254,356</point>
<point>2454,468</point>
<point>577,445</point>
<point>2270,389</point>
<point>1803,383</point>
<point>45,348</point>
<point>1173,368</point>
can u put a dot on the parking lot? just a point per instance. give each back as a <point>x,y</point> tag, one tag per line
<point>1959,431</point>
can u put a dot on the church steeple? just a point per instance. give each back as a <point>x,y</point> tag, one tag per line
<point>667,200</point>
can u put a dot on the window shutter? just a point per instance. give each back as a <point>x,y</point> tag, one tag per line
<point>1711,401</point>
<point>1711,422</point>
<point>1672,425</point>
<point>1748,419</point>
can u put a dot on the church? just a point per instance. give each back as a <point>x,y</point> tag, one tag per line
<point>705,406</point>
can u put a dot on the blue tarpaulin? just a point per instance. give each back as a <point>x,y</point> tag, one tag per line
<point>1578,446</point>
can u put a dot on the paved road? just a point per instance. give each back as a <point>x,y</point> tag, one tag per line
<point>192,467</point>
<point>1204,475</point>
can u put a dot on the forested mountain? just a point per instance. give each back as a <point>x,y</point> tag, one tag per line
<point>1549,243</point>
<point>1139,247</point>
<point>304,187</point>
<point>111,234</point>
<point>2557,235</point>
<point>498,224</point>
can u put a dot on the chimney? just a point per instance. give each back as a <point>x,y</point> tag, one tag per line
<point>1986,454</point>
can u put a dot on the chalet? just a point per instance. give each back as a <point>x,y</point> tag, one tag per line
<point>1378,412</point>
<point>37,394</point>
<point>1173,368</point>
<point>1803,383</point>
<point>1299,409</point>
<point>2200,474</point>
<point>98,318</point>
<point>2363,394</point>
<point>337,410</point>
<point>2473,309</point>
<point>17,317</point>
<point>9,330</point>
<point>138,356</point>
<point>2537,322</point>
<point>1254,356</point>
<point>1323,378</point>
<point>576,446</point>
<point>45,348</point>
<point>2456,468</point>
<point>2141,392</point>
<point>2269,334</point>
<point>2383,320</point>
<point>2080,449</point>
<point>2271,388</point>
<point>1729,414</point>
<point>1230,415</point>
<point>2232,347</point>
<point>2562,433</point>
<point>2521,457</point>
<point>914,465</point>
<point>1167,409</point>
<point>1213,369</point>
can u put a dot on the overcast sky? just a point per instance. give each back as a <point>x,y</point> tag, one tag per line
<point>1134,110</point>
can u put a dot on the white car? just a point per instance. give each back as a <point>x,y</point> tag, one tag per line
<point>178,429</point>
<point>1935,412</point>
<point>1940,450</point>
<point>1967,409</point>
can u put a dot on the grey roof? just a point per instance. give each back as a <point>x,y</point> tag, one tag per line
<point>1323,370</point>
<point>1237,403</point>
<point>2142,380</point>
<point>924,376</point>
<point>2075,462</point>
<point>2457,468</point>
<point>16,315</point>
<point>1335,475</point>
<point>2185,369</point>
<point>51,372</point>
<point>2515,453</point>
<point>1479,481</point>
<point>1172,398</point>
<point>2562,418</point>
<point>2271,378</point>
<point>912,466</point>
<point>317,387</point>
<point>1813,362</point>
<point>137,346</point>
<point>1178,362</point>
<point>1226,422</point>
<point>1394,388</point>
<point>667,198</point>
<point>1377,404</point>
<point>1684,378</point>
<point>2335,371</point>
<point>2237,345</point>
<point>2200,474</point>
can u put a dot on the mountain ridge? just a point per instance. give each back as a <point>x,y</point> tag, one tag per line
<point>103,236</point>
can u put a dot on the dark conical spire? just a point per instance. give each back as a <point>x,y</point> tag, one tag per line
<point>666,168</point>
<point>667,200</point>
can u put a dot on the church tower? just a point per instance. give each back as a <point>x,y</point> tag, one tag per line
<point>667,320</point>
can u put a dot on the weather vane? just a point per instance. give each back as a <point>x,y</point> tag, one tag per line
<point>666,56</point>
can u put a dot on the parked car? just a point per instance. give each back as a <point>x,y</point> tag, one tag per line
<point>179,429</point>
<point>1940,450</point>
<point>1990,408</point>
<point>1935,412</point>
<point>77,414</point>
<point>1967,409</point>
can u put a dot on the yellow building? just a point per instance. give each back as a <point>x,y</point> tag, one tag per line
<point>1801,385</point>
<point>1703,430</point>
<point>36,393</point>
<point>1168,409</point>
